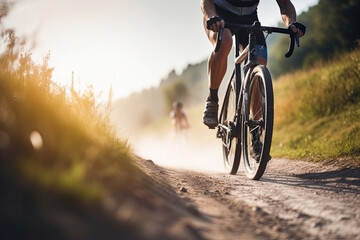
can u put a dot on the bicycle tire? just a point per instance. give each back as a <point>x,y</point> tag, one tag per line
<point>255,168</point>
<point>230,145</point>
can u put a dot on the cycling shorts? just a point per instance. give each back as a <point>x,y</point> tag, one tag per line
<point>244,36</point>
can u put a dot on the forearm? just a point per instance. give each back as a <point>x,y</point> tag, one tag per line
<point>287,10</point>
<point>208,8</point>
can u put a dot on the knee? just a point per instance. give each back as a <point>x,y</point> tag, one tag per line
<point>262,61</point>
<point>227,43</point>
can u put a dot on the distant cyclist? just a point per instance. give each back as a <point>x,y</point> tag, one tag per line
<point>178,117</point>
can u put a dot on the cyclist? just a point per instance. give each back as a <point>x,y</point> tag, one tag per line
<point>216,13</point>
<point>178,117</point>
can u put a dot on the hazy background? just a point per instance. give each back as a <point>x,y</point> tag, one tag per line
<point>64,169</point>
<point>130,45</point>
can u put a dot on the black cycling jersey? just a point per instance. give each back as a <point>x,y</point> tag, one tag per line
<point>243,3</point>
<point>238,7</point>
<point>231,17</point>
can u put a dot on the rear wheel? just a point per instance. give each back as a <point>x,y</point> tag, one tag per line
<point>257,123</point>
<point>230,142</point>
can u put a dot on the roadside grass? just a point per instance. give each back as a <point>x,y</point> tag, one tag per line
<point>317,111</point>
<point>56,139</point>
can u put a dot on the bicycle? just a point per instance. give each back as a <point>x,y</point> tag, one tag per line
<point>238,125</point>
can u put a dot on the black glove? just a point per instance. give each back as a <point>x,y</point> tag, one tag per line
<point>212,20</point>
<point>298,25</point>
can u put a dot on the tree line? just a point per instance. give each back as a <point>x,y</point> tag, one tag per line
<point>332,28</point>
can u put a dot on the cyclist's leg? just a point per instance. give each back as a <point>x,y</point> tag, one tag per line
<point>217,62</point>
<point>255,104</point>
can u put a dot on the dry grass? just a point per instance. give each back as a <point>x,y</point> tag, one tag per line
<point>317,111</point>
<point>57,139</point>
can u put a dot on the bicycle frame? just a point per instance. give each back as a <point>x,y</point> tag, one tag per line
<point>248,54</point>
<point>247,113</point>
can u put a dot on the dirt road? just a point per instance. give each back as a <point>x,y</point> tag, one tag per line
<point>293,200</point>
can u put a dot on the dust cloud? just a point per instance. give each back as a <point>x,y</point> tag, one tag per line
<point>180,151</point>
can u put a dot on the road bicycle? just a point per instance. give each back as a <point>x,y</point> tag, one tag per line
<point>250,85</point>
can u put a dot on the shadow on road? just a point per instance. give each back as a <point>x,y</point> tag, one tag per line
<point>343,180</point>
<point>346,176</point>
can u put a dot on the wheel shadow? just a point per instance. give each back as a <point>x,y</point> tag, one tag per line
<point>342,180</point>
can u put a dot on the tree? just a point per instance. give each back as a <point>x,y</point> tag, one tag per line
<point>331,30</point>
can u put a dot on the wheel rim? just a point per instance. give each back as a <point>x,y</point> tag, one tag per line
<point>229,143</point>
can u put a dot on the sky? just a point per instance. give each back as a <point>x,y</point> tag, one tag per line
<point>129,45</point>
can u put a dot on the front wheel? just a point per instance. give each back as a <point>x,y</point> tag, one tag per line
<point>257,123</point>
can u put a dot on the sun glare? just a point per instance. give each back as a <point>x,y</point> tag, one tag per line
<point>36,140</point>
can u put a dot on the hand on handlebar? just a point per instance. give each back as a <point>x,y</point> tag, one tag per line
<point>215,23</point>
<point>298,28</point>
